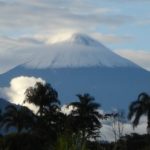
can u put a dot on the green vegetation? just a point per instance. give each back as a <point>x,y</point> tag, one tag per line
<point>51,129</point>
<point>140,107</point>
<point>86,117</point>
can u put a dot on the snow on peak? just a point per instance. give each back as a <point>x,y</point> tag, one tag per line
<point>82,39</point>
<point>78,51</point>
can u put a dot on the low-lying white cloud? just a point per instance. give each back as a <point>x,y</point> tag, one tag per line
<point>66,109</point>
<point>108,135</point>
<point>15,92</point>
<point>125,126</point>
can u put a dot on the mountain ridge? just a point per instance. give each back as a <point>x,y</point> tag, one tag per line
<point>77,51</point>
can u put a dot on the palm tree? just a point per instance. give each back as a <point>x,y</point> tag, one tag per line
<point>43,96</point>
<point>19,117</point>
<point>138,108</point>
<point>86,117</point>
<point>46,99</point>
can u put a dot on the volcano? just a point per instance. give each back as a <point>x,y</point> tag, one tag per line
<point>80,65</point>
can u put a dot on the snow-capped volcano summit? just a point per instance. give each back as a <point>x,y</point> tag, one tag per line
<point>83,39</point>
<point>77,51</point>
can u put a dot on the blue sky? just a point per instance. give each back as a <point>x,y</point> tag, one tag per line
<point>122,25</point>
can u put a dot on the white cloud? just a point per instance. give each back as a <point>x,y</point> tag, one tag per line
<point>112,38</point>
<point>30,17</point>
<point>15,92</point>
<point>140,57</point>
<point>57,37</point>
<point>67,110</point>
<point>107,132</point>
<point>14,52</point>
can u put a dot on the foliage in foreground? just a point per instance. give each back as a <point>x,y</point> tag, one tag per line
<point>49,125</point>
<point>70,142</point>
<point>50,129</point>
